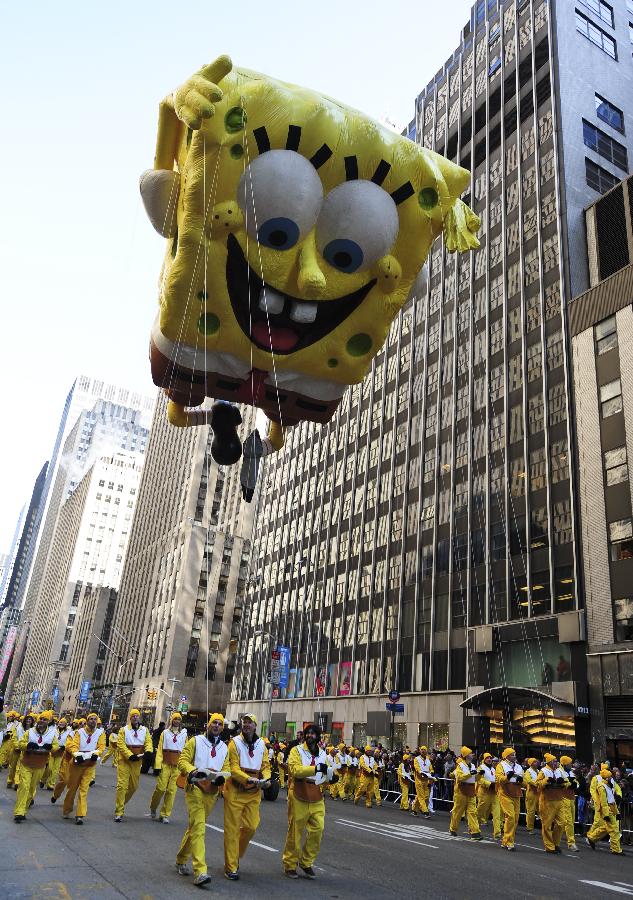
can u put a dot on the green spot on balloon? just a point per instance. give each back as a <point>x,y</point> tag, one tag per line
<point>237,151</point>
<point>427,198</point>
<point>208,323</point>
<point>332,363</point>
<point>359,345</point>
<point>235,119</point>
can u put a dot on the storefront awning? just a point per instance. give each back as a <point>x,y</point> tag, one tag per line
<point>504,698</point>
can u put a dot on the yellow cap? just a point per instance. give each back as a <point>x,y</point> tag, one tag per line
<point>215,717</point>
<point>405,757</point>
<point>465,751</point>
<point>135,712</point>
<point>96,715</point>
<point>175,717</point>
<point>367,749</point>
<point>487,756</point>
<point>47,715</point>
<point>507,752</point>
<point>423,749</point>
<point>250,716</point>
<point>62,721</point>
<point>532,760</point>
<point>566,760</point>
<point>341,746</point>
<point>549,758</point>
<point>606,773</point>
<point>330,747</point>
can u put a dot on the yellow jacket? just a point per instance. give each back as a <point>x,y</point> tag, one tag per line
<point>124,752</point>
<point>601,804</point>
<point>296,769</point>
<point>188,755</point>
<point>239,776</point>
<point>21,745</point>
<point>73,743</point>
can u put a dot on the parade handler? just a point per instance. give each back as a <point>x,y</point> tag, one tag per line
<point>250,771</point>
<point>509,781</point>
<point>464,802</point>
<point>308,770</point>
<point>203,767</point>
<point>34,747</point>
<point>170,745</point>
<point>134,741</point>
<point>85,747</point>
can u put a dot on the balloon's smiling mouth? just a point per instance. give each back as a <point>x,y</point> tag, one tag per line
<point>276,322</point>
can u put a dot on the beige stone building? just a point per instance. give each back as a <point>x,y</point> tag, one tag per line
<point>180,602</point>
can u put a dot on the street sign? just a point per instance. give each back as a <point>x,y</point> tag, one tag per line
<point>183,699</point>
<point>55,695</point>
<point>84,691</point>
<point>35,697</point>
<point>183,707</point>
<point>280,666</point>
<point>395,708</point>
<point>394,696</point>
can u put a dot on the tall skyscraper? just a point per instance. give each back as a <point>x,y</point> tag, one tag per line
<point>182,589</point>
<point>24,540</point>
<point>427,539</point>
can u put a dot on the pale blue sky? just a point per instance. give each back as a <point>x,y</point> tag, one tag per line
<point>81,84</point>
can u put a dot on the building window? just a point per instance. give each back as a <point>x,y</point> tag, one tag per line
<point>609,113</point>
<point>621,538</point>
<point>602,10</point>
<point>598,178</point>
<point>596,35</point>
<point>606,146</point>
<point>616,465</point>
<point>624,619</point>
<point>606,335</point>
<point>611,398</point>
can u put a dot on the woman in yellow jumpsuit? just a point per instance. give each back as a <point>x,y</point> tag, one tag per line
<point>85,747</point>
<point>170,745</point>
<point>464,802</point>
<point>23,725</point>
<point>55,761</point>
<point>551,782</point>
<point>509,781</point>
<point>133,742</point>
<point>250,771</point>
<point>487,798</point>
<point>531,792</point>
<point>204,767</point>
<point>423,771</point>
<point>607,814</point>
<point>34,747</point>
<point>405,780</point>
<point>366,780</point>
<point>569,803</point>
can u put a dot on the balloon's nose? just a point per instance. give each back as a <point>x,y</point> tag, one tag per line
<point>310,279</point>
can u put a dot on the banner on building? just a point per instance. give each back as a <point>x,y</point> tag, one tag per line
<point>7,650</point>
<point>344,679</point>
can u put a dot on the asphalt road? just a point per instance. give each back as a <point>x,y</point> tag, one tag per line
<point>373,854</point>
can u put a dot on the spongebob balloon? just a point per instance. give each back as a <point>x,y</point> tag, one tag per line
<point>297,229</point>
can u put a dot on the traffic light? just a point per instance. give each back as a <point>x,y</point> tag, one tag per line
<point>152,694</point>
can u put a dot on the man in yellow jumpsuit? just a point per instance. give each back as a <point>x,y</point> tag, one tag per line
<point>64,768</point>
<point>85,747</point>
<point>531,792</point>
<point>34,747</point>
<point>367,768</point>
<point>607,814</point>
<point>22,725</point>
<point>307,769</point>
<point>55,759</point>
<point>464,802</point>
<point>112,749</point>
<point>355,756</point>
<point>380,768</point>
<point>569,803</point>
<point>423,771</point>
<point>341,761</point>
<point>351,774</point>
<point>204,766</point>
<point>7,744</point>
<point>250,771</point>
<point>405,780</point>
<point>281,765</point>
<point>487,799</point>
<point>509,782</point>
<point>330,758</point>
<point>171,743</point>
<point>551,782</point>
<point>133,742</point>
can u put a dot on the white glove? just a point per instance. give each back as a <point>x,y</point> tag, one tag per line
<point>79,756</point>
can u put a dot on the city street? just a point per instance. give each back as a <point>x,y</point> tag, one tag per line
<point>366,855</point>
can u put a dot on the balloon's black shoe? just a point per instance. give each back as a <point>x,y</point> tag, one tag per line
<point>226,448</point>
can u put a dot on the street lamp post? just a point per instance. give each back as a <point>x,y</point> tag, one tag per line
<point>116,686</point>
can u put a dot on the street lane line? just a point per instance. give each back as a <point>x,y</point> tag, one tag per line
<point>254,843</point>
<point>421,831</point>
<point>380,833</point>
<point>609,887</point>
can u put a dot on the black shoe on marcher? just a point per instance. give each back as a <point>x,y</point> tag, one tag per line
<point>557,850</point>
<point>308,871</point>
<point>19,819</point>
<point>591,843</point>
<point>53,799</point>
<point>79,820</point>
<point>232,876</point>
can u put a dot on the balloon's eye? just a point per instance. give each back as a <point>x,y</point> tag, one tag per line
<point>278,233</point>
<point>343,254</point>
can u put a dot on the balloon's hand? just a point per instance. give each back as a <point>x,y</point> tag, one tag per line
<point>194,100</point>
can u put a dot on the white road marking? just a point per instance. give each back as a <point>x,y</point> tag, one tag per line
<point>624,884</point>
<point>254,843</point>
<point>609,887</point>
<point>383,833</point>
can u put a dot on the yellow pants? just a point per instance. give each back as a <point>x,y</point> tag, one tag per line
<point>422,794</point>
<point>333,789</point>
<point>349,786</point>
<point>552,822</point>
<point>110,752</point>
<point>365,788</point>
<point>488,805</point>
<point>166,784</point>
<point>12,774</point>
<point>127,779</point>
<point>377,795</point>
<point>5,751</point>
<point>79,778</point>
<point>54,764</point>
<point>464,806</point>
<point>62,778</point>
<point>241,820</point>
<point>601,828</point>
<point>29,780</point>
<point>308,818</point>
<point>404,787</point>
<point>569,814</point>
<point>531,806</point>
<point>199,806</point>
<point>510,809</point>
<point>282,777</point>
<point>340,784</point>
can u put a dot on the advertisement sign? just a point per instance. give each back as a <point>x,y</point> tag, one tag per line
<point>35,697</point>
<point>280,666</point>
<point>7,650</point>
<point>344,679</point>
<point>84,692</point>
<point>55,695</point>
